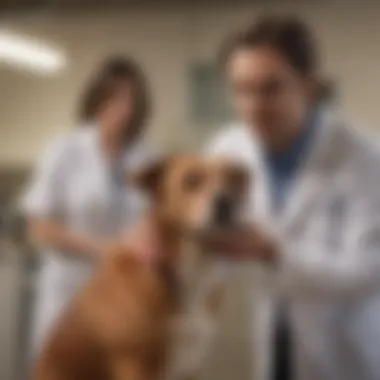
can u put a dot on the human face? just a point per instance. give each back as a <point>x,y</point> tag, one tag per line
<point>117,112</point>
<point>268,94</point>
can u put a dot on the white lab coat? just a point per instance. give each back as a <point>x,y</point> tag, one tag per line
<point>73,184</point>
<point>329,264</point>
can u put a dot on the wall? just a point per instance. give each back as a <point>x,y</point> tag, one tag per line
<point>33,109</point>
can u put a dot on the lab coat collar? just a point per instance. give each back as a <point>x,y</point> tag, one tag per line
<point>129,158</point>
<point>328,159</point>
<point>311,177</point>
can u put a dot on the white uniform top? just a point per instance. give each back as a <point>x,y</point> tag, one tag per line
<point>75,184</point>
<point>329,262</point>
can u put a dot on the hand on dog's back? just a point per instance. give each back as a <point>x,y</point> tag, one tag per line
<point>141,239</point>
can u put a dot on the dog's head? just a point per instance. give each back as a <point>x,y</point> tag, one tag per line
<point>197,195</point>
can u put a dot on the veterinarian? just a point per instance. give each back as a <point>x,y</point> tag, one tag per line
<point>315,210</point>
<point>317,187</point>
<point>78,201</point>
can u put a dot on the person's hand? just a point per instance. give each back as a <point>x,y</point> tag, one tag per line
<point>97,249</point>
<point>142,239</point>
<point>247,242</point>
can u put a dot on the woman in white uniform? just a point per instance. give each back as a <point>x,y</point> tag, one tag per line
<point>78,200</point>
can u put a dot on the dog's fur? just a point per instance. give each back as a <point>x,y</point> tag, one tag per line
<point>136,321</point>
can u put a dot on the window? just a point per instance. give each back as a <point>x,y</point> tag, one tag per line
<point>208,105</point>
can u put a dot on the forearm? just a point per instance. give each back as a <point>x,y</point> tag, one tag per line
<point>334,276</point>
<point>312,271</point>
<point>53,234</point>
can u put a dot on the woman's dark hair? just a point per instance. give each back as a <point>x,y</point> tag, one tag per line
<point>288,35</point>
<point>103,85</point>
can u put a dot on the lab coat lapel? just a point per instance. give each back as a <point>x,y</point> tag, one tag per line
<point>305,189</point>
<point>92,141</point>
<point>312,178</point>
<point>250,152</point>
<point>261,192</point>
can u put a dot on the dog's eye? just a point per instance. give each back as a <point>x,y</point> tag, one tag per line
<point>193,181</point>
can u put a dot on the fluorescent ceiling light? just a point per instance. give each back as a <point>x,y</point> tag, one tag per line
<point>30,54</point>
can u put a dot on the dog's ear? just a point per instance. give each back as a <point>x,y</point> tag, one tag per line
<point>148,178</point>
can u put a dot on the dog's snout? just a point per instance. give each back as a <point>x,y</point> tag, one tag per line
<point>223,210</point>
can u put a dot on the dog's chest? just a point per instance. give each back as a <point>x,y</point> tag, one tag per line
<point>193,328</point>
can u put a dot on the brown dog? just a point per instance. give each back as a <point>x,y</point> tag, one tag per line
<point>136,321</point>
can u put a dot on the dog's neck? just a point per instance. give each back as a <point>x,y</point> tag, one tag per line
<point>167,239</point>
<point>184,255</point>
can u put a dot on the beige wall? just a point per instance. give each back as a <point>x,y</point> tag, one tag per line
<point>33,109</point>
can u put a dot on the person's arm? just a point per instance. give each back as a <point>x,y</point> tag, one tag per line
<point>323,273</point>
<point>313,270</point>
<point>44,204</point>
<point>349,271</point>
<point>45,232</point>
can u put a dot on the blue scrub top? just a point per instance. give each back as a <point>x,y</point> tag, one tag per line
<point>282,167</point>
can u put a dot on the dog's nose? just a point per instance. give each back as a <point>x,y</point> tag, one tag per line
<point>223,210</point>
